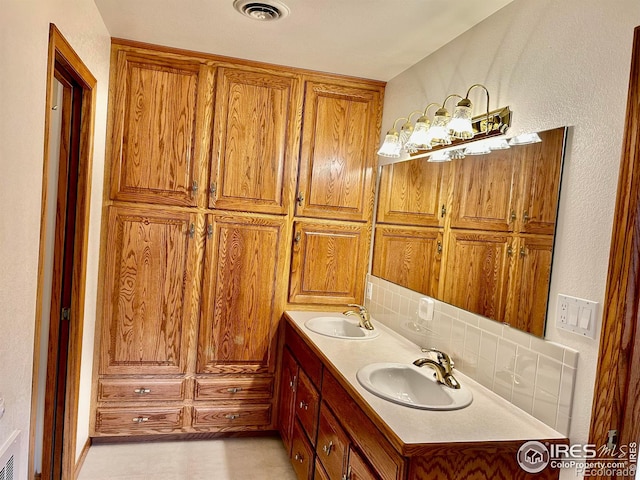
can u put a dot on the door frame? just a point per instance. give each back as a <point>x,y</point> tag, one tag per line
<point>61,51</point>
<point>616,403</point>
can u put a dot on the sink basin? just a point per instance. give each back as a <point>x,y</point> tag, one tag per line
<point>411,386</point>
<point>340,328</point>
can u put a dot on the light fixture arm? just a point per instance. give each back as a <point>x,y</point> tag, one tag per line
<point>432,104</point>
<point>487,91</point>
<point>451,96</point>
<point>395,124</point>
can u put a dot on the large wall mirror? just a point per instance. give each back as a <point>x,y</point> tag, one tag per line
<point>476,232</point>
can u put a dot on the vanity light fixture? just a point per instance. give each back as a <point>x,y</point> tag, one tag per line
<point>446,130</point>
<point>525,139</point>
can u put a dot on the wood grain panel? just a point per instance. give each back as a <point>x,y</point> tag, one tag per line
<point>409,257</point>
<point>359,469</point>
<point>140,390</point>
<point>232,417</point>
<point>413,193</point>
<point>529,290</point>
<point>304,356</point>
<point>154,124</point>
<point>483,193</point>
<point>241,306</point>
<point>254,139</point>
<point>234,388</point>
<point>307,405</point>
<point>138,420</point>
<point>302,454</point>
<point>477,265</point>
<point>328,263</point>
<point>147,312</point>
<point>541,167</point>
<point>337,155</point>
<point>288,387</point>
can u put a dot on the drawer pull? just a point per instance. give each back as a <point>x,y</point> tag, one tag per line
<point>140,419</point>
<point>327,448</point>
<point>232,416</point>
<point>304,405</point>
<point>292,383</point>
<point>299,457</point>
<point>142,391</point>
<point>234,389</point>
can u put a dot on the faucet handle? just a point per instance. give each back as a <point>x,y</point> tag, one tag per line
<point>442,357</point>
<point>359,307</point>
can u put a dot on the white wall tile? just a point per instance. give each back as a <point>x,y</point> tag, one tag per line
<point>567,382</point>
<point>550,349</point>
<point>517,336</point>
<point>570,357</point>
<point>472,340</point>
<point>549,374</point>
<point>545,407</point>
<point>488,346</point>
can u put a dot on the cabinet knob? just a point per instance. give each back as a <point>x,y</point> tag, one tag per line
<point>194,187</point>
<point>443,211</point>
<point>298,237</point>
<point>299,457</point>
<point>525,216</point>
<point>192,230</point>
<point>234,389</point>
<point>300,199</point>
<point>522,252</point>
<point>140,419</point>
<point>439,246</point>
<point>209,230</point>
<point>304,405</point>
<point>327,448</point>
<point>142,391</point>
<point>213,188</point>
<point>231,416</point>
<point>510,250</point>
<point>513,216</point>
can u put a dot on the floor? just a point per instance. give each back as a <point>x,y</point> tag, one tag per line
<point>220,459</point>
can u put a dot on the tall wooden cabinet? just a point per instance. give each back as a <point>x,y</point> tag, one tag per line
<point>207,238</point>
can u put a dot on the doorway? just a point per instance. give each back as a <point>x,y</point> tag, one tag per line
<point>62,262</point>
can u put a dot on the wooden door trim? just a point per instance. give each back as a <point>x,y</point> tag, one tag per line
<point>616,404</point>
<point>61,50</point>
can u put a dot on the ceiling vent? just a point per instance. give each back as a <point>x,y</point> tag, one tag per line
<point>264,11</point>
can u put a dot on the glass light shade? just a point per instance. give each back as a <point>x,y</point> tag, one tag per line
<point>456,154</point>
<point>391,146</point>
<point>460,124</point>
<point>405,133</point>
<point>419,139</point>
<point>440,157</point>
<point>525,139</point>
<point>439,132</point>
<point>480,148</point>
<point>498,144</point>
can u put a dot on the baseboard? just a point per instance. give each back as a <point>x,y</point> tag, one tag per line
<point>81,458</point>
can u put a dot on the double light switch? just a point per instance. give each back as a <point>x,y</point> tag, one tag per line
<point>577,315</point>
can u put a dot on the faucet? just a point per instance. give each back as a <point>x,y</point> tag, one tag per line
<point>443,367</point>
<point>365,319</point>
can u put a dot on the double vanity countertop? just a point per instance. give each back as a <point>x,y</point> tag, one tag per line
<point>488,419</point>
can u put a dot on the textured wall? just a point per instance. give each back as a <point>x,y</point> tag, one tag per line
<point>554,63</point>
<point>24,32</point>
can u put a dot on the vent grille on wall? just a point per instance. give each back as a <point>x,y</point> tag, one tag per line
<point>9,457</point>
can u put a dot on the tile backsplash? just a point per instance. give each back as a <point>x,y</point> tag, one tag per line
<point>534,374</point>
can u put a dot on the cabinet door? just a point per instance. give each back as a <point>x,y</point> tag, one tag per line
<point>358,469</point>
<point>241,302</point>
<point>160,122</point>
<point>333,444</point>
<point>483,192</point>
<point>254,137</point>
<point>541,165</point>
<point>338,151</point>
<point>413,193</point>
<point>530,287</point>
<point>288,386</point>
<point>329,263</point>
<point>409,257</point>
<point>151,293</point>
<point>476,272</point>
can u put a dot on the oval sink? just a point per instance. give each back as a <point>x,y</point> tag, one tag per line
<point>411,386</point>
<point>340,328</point>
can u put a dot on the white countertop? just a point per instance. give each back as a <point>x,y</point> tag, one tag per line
<point>489,418</point>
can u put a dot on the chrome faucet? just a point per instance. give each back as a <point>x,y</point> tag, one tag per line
<point>443,367</point>
<point>365,319</point>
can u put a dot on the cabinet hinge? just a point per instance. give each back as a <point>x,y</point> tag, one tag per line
<point>443,211</point>
<point>612,443</point>
<point>66,313</point>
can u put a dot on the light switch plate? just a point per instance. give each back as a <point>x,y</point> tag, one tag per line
<point>426,306</point>
<point>577,315</point>
<point>369,294</point>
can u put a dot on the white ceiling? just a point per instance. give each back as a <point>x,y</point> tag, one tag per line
<point>375,39</point>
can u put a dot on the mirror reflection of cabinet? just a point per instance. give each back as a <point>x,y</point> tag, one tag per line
<point>476,232</point>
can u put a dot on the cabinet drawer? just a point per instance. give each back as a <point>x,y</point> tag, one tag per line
<point>307,405</point>
<point>231,388</point>
<point>139,420</point>
<point>302,457</point>
<point>229,417</point>
<point>308,360</point>
<point>333,444</point>
<point>131,390</point>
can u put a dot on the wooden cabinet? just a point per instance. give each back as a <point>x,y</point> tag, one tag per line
<point>329,262</point>
<point>254,140</point>
<point>332,448</point>
<point>477,263</point>
<point>414,193</point>
<point>288,386</point>
<point>358,469</point>
<point>341,123</point>
<point>408,256</point>
<point>151,291</point>
<point>160,127</point>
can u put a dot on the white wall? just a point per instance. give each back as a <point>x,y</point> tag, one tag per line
<point>555,63</point>
<point>24,31</point>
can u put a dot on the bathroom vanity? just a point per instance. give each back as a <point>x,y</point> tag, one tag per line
<point>334,428</point>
